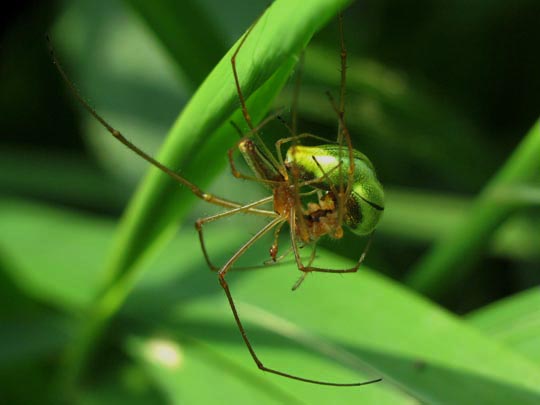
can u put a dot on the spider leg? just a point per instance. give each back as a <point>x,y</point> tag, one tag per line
<point>221,277</point>
<point>121,138</point>
<point>309,267</point>
<point>202,221</point>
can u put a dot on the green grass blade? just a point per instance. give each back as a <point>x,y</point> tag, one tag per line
<point>448,261</point>
<point>419,218</point>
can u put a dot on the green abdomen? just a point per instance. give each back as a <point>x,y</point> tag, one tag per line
<point>365,205</point>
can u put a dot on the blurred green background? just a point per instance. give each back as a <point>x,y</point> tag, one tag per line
<point>439,97</point>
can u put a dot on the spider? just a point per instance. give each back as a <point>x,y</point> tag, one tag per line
<point>316,190</point>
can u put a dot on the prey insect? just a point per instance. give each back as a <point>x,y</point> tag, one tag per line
<point>316,190</point>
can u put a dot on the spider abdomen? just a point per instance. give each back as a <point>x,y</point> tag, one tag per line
<point>364,203</point>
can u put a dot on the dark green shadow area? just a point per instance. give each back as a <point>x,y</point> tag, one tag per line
<point>32,335</point>
<point>423,381</point>
<point>140,98</point>
<point>30,329</point>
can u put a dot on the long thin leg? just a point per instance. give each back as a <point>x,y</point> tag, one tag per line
<point>343,84</point>
<point>281,257</point>
<point>342,129</point>
<point>345,131</point>
<point>241,96</point>
<point>325,176</point>
<point>254,131</point>
<point>344,194</point>
<point>225,286</point>
<point>294,102</point>
<point>296,94</point>
<point>274,115</point>
<point>305,273</point>
<point>349,270</point>
<point>275,246</point>
<point>311,268</point>
<point>278,259</point>
<point>287,127</point>
<point>202,221</point>
<point>244,140</point>
<point>301,229</point>
<point>245,111</point>
<point>261,146</point>
<point>118,135</point>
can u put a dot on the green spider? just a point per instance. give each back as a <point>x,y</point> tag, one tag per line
<point>316,190</point>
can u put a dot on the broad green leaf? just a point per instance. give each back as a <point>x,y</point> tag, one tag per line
<point>345,328</point>
<point>56,254</point>
<point>514,321</point>
<point>354,328</point>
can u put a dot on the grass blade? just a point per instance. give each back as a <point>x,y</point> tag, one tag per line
<point>448,261</point>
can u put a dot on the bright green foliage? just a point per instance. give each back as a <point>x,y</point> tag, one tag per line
<point>100,309</point>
